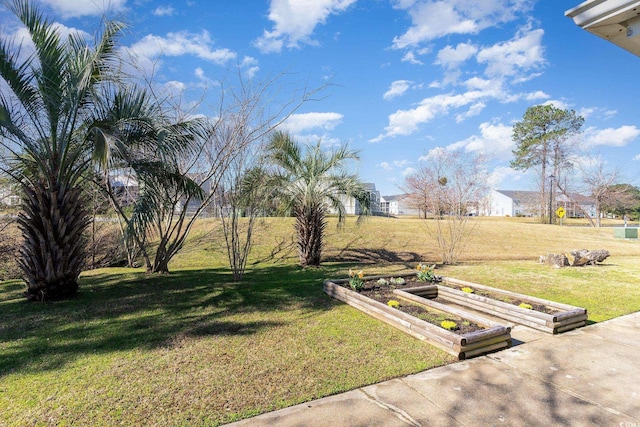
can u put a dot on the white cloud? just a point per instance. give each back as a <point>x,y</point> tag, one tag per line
<point>503,178</point>
<point>410,57</point>
<point>409,171</point>
<point>164,11</point>
<point>21,37</point>
<point>406,122</point>
<point>611,137</point>
<point>494,140</point>
<point>558,104</point>
<point>474,110</point>
<point>452,57</point>
<point>298,123</point>
<point>174,87</point>
<point>295,20</point>
<point>385,166</point>
<point>432,19</point>
<point>434,154</point>
<point>397,88</point>
<point>637,157</point>
<point>77,8</point>
<point>181,43</point>
<point>511,58</point>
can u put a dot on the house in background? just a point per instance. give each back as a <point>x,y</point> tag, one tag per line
<point>399,204</point>
<point>9,193</point>
<point>527,203</point>
<point>511,203</point>
<point>353,207</point>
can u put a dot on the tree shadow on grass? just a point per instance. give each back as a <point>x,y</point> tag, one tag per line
<point>375,256</point>
<point>119,312</point>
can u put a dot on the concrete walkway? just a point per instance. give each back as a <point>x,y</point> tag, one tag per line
<point>587,377</point>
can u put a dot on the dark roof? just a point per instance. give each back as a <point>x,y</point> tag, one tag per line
<point>395,197</point>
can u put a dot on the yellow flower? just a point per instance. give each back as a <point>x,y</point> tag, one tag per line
<point>360,274</point>
<point>449,325</point>
<point>350,273</point>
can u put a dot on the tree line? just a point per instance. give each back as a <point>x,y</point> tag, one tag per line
<point>70,120</point>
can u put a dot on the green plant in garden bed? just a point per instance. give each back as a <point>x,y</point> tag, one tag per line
<point>356,280</point>
<point>397,281</point>
<point>426,273</point>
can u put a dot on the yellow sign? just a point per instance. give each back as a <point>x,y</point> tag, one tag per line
<point>561,212</point>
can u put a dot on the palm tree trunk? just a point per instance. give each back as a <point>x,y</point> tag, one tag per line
<point>310,225</point>
<point>52,223</point>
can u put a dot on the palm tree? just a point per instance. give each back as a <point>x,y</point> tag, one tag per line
<point>45,97</point>
<point>131,132</point>
<point>310,182</point>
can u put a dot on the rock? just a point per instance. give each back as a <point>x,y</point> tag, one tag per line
<point>577,258</point>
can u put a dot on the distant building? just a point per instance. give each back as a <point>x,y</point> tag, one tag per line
<point>353,207</point>
<point>527,203</point>
<point>8,196</point>
<point>399,204</point>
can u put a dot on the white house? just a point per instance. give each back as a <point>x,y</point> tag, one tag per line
<point>511,203</point>
<point>352,206</point>
<point>399,204</point>
<point>527,203</point>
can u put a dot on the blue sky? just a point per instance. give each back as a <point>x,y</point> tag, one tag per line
<point>406,76</point>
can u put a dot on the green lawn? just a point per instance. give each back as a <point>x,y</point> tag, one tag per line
<point>192,348</point>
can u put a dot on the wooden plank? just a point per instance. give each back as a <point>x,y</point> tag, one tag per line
<point>485,343</point>
<point>569,314</point>
<point>494,309</point>
<point>483,350</point>
<point>569,321</point>
<point>552,304</point>
<point>569,327</point>
<point>482,321</point>
<point>384,312</point>
<point>493,302</point>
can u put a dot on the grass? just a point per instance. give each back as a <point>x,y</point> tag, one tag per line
<point>193,348</point>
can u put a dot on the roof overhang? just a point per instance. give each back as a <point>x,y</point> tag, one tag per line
<point>617,21</point>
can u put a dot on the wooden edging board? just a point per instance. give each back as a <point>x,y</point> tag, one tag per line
<point>493,338</point>
<point>566,318</point>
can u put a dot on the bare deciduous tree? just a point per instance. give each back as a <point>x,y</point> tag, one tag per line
<point>453,183</point>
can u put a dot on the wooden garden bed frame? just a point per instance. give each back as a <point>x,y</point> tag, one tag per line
<point>495,337</point>
<point>566,318</point>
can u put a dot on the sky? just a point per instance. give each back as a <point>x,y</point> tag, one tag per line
<point>401,78</point>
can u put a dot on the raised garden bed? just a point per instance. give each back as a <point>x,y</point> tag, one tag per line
<point>490,337</point>
<point>544,315</point>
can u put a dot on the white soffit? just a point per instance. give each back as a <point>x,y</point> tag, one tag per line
<point>617,21</point>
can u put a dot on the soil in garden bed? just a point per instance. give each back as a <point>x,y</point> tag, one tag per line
<point>384,293</point>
